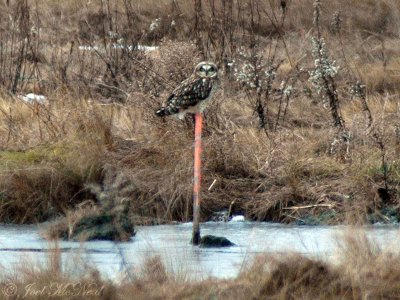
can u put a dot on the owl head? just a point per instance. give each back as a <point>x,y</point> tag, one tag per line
<point>206,69</point>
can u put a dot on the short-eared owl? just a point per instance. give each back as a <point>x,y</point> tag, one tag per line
<point>193,94</point>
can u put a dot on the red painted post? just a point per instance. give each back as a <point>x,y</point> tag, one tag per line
<point>197,178</point>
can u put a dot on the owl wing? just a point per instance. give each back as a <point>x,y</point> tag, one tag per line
<point>189,93</point>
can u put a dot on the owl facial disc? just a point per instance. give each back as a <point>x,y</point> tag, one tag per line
<point>206,69</point>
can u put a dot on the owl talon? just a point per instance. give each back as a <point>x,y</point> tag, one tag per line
<point>181,115</point>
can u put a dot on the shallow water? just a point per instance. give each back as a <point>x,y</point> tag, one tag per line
<point>171,242</point>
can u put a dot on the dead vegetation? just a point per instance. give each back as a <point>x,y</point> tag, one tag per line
<point>270,147</point>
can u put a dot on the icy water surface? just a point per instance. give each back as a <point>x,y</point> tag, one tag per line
<point>20,244</point>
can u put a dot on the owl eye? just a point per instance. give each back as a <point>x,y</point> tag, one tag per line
<point>212,69</point>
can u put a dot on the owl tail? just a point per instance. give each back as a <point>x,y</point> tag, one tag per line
<point>166,111</point>
<point>162,112</point>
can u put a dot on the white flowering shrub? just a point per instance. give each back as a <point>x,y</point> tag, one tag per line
<point>155,24</point>
<point>253,73</point>
<point>322,77</point>
<point>336,23</point>
<point>358,90</point>
<point>324,72</point>
<point>257,75</point>
<point>287,89</point>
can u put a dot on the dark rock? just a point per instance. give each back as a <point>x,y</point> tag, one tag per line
<point>211,241</point>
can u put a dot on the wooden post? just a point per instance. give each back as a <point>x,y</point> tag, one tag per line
<point>197,178</point>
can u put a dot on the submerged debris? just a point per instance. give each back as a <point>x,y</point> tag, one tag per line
<point>104,226</point>
<point>109,220</point>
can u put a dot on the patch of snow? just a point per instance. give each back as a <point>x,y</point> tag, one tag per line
<point>122,46</point>
<point>137,47</point>
<point>146,48</point>
<point>32,98</point>
<point>238,219</point>
<point>88,48</point>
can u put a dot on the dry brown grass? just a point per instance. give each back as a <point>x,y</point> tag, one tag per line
<point>98,129</point>
<point>98,125</point>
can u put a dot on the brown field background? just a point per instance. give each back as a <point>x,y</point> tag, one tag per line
<point>269,154</point>
<point>272,155</point>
